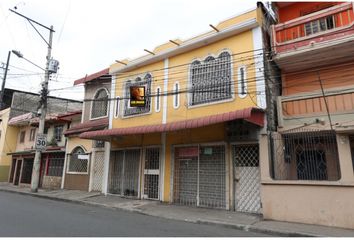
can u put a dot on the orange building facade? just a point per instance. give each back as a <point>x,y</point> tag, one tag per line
<point>310,178</point>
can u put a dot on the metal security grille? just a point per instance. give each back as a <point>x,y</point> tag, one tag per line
<point>76,162</point>
<point>305,155</point>
<point>97,171</point>
<point>246,178</point>
<point>116,172</point>
<point>55,164</point>
<point>200,177</point>
<point>151,172</point>
<point>100,104</point>
<point>212,177</point>
<point>27,171</point>
<point>124,172</point>
<point>98,144</point>
<point>185,182</point>
<point>211,79</point>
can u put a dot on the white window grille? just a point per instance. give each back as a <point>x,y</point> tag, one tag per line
<point>211,79</point>
<point>100,104</point>
<point>58,132</point>
<point>130,111</point>
<point>242,84</point>
<point>176,95</point>
<point>158,99</point>
<point>78,161</point>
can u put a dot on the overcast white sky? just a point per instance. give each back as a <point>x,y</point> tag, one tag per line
<point>90,35</point>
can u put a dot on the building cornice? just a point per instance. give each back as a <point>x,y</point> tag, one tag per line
<point>187,46</point>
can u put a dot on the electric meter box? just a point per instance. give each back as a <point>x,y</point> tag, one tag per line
<point>53,66</point>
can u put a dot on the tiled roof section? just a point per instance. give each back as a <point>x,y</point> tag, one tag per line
<point>87,126</point>
<point>93,76</point>
<point>68,114</point>
<point>20,119</point>
<point>253,115</point>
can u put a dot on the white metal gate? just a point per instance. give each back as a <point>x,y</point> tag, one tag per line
<point>124,172</point>
<point>200,176</point>
<point>151,173</point>
<point>246,178</point>
<point>97,171</point>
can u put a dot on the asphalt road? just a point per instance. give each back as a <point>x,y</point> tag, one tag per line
<point>27,216</point>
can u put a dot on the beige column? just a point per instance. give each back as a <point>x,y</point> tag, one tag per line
<point>345,158</point>
<point>264,157</point>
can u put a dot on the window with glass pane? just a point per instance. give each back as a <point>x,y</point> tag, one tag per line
<point>211,79</point>
<point>22,136</point>
<point>58,132</point>
<point>100,104</point>
<point>319,25</point>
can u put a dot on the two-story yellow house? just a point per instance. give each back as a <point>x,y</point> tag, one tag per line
<point>196,140</point>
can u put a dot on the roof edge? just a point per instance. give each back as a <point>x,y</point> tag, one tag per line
<point>91,77</point>
<point>189,45</point>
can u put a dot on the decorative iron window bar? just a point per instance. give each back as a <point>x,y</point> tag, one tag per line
<point>305,155</point>
<point>100,104</point>
<point>55,164</point>
<point>211,79</point>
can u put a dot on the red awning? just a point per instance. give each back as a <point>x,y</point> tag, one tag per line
<point>253,115</point>
<point>87,126</point>
<point>91,77</point>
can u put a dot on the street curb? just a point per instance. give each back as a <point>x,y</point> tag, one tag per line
<point>281,233</point>
<point>41,196</point>
<point>248,228</point>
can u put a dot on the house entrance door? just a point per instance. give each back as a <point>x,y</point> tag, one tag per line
<point>97,171</point>
<point>18,172</point>
<point>152,173</point>
<point>246,178</point>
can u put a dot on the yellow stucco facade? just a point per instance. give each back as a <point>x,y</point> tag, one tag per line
<point>8,142</point>
<point>170,64</point>
<point>75,141</point>
<point>240,47</point>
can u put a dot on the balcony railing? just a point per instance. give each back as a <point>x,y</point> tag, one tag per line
<point>329,21</point>
<point>339,100</point>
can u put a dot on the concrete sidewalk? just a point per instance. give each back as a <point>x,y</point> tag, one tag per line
<point>247,222</point>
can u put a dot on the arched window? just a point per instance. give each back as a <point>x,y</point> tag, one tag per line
<point>211,79</point>
<point>78,161</point>
<point>100,104</point>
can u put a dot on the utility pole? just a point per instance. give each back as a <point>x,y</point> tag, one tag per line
<point>43,101</point>
<point>44,94</point>
<point>4,81</point>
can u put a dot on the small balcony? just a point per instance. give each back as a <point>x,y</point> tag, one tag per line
<point>297,108</point>
<point>315,39</point>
